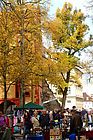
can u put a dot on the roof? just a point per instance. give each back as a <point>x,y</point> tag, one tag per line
<point>87,98</point>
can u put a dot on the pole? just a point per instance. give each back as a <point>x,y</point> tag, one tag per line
<point>22,54</point>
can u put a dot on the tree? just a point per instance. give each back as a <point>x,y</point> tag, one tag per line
<point>27,17</point>
<point>7,47</point>
<point>21,31</point>
<point>68,32</point>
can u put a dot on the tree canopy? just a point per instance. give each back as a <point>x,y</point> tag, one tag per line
<point>20,41</point>
<point>23,56</point>
<point>67,32</point>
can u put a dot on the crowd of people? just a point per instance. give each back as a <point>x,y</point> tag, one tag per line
<point>70,120</point>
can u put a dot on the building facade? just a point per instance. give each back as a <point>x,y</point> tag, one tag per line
<point>30,94</point>
<point>74,97</point>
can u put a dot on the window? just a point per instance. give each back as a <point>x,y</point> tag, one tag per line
<point>27,94</point>
<point>69,90</point>
<point>69,101</point>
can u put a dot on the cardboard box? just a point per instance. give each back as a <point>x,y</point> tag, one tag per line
<point>81,138</point>
<point>52,137</point>
<point>55,132</point>
<point>55,138</point>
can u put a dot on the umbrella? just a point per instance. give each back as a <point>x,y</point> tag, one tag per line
<point>30,105</point>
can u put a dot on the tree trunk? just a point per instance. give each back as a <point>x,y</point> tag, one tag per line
<point>22,96</point>
<point>32,94</point>
<point>5,95</point>
<point>65,90</point>
<point>21,92</point>
<point>64,98</point>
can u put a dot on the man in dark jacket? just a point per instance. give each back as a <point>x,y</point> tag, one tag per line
<point>75,122</point>
<point>44,120</point>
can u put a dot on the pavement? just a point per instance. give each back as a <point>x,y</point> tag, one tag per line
<point>18,138</point>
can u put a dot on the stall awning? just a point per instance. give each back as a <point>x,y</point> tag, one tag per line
<point>31,105</point>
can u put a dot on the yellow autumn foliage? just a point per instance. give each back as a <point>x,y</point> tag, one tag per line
<point>67,30</point>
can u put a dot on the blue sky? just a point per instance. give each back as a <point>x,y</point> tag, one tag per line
<point>80,4</point>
